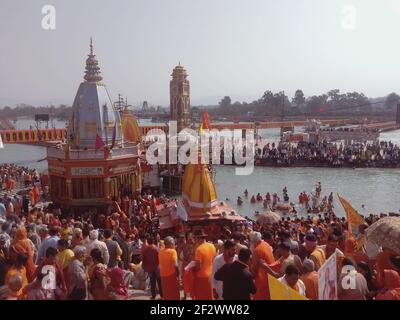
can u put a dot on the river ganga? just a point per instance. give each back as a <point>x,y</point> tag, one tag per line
<point>377,189</point>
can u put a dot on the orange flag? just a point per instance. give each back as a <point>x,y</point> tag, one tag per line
<point>354,219</point>
<point>206,121</point>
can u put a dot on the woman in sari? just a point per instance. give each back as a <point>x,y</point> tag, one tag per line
<point>98,277</point>
<point>117,289</point>
<point>21,244</point>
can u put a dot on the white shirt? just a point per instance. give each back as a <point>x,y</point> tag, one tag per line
<point>300,284</point>
<point>101,246</point>
<point>218,263</point>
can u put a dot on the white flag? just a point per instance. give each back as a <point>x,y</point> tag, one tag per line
<point>1,143</point>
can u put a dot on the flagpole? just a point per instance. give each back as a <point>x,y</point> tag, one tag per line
<point>105,122</point>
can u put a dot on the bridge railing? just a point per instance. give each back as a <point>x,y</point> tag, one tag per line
<point>33,136</point>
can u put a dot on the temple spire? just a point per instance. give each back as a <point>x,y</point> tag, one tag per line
<point>91,46</point>
<point>92,72</point>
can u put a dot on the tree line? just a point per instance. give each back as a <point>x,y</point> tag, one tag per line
<point>271,104</point>
<point>61,112</point>
<point>331,103</point>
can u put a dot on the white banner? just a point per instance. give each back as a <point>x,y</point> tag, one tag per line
<point>327,280</point>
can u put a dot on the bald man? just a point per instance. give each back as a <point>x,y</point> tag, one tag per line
<point>169,270</point>
<point>262,257</point>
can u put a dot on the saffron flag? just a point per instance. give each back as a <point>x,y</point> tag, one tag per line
<point>280,291</point>
<point>205,123</point>
<point>99,142</point>
<point>354,219</point>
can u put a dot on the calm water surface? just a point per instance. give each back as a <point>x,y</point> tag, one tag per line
<point>377,189</point>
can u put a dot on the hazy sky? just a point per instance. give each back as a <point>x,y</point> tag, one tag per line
<point>230,47</point>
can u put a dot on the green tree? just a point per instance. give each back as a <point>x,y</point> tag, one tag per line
<point>267,98</point>
<point>391,101</point>
<point>299,99</point>
<point>225,102</point>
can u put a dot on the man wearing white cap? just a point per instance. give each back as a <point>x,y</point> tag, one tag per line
<point>95,243</point>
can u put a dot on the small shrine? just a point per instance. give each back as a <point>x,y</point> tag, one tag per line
<point>198,206</point>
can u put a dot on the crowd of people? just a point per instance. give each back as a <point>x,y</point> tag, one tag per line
<point>50,254</point>
<point>310,203</point>
<point>381,154</point>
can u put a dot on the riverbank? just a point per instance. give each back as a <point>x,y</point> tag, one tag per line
<point>326,164</point>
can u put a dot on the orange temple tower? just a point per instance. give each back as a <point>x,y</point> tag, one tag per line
<point>199,197</point>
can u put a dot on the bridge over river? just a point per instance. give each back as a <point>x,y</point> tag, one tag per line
<point>53,135</point>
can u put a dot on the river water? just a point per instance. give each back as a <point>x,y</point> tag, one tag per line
<point>377,189</point>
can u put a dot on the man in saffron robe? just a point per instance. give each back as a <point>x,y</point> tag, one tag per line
<point>310,279</point>
<point>21,244</point>
<point>262,257</point>
<point>169,270</point>
<point>204,257</point>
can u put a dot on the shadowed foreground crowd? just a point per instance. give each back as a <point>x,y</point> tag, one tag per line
<point>46,254</point>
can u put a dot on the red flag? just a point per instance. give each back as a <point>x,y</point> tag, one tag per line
<point>99,142</point>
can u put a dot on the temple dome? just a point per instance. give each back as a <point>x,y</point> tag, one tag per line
<point>93,112</point>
